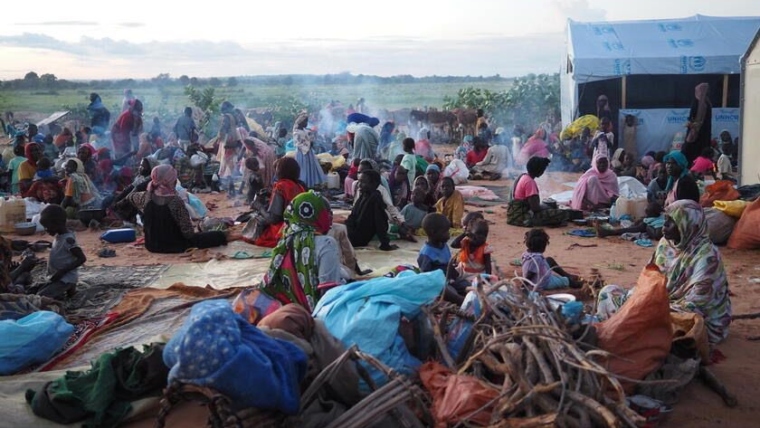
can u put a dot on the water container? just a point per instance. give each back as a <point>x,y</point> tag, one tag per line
<point>119,235</point>
<point>635,208</point>
<point>333,180</point>
<point>12,211</point>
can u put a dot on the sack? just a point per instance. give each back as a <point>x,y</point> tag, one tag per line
<point>457,170</point>
<point>639,334</point>
<point>457,396</point>
<point>732,208</point>
<point>692,135</point>
<point>253,228</point>
<point>719,225</point>
<point>746,234</point>
<point>721,190</point>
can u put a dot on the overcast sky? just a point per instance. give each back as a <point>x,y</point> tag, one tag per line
<point>78,39</point>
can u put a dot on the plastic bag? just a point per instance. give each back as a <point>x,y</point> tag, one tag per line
<point>746,234</point>
<point>690,335</point>
<point>198,159</point>
<point>457,396</point>
<point>457,170</point>
<point>575,128</point>
<point>640,333</point>
<point>732,208</point>
<point>721,190</point>
<point>32,339</point>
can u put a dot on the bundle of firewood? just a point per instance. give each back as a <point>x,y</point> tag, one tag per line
<point>545,371</point>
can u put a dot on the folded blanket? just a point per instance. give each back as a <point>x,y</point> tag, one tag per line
<point>217,348</point>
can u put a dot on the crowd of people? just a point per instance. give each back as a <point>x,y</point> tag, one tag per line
<point>395,186</point>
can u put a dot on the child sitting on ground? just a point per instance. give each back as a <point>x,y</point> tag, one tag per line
<point>43,169</point>
<point>368,217</point>
<point>415,212</point>
<point>466,227</point>
<point>255,182</point>
<point>422,183</point>
<point>475,253</point>
<point>543,273</point>
<point>435,255</point>
<point>451,204</point>
<point>651,225</point>
<point>65,256</point>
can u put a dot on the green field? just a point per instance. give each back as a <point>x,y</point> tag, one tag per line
<point>169,100</point>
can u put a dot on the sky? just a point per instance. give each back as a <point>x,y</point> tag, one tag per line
<point>75,40</point>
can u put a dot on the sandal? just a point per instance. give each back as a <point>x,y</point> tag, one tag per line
<point>106,253</point>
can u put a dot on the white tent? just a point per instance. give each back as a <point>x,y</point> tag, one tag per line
<point>640,64</point>
<point>749,134</point>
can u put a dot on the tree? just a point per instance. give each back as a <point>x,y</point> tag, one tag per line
<point>215,82</point>
<point>184,80</point>
<point>232,82</point>
<point>48,80</point>
<point>31,80</point>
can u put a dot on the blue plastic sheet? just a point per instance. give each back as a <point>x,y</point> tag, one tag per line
<point>368,313</point>
<point>32,339</point>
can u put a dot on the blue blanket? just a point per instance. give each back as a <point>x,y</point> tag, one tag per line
<point>217,348</point>
<point>368,313</point>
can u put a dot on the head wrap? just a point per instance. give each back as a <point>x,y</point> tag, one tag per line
<point>293,273</point>
<point>433,167</point>
<point>163,180</point>
<point>679,159</point>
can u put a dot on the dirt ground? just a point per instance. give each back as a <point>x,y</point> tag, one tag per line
<point>618,261</point>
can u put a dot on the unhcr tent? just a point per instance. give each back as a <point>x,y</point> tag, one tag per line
<point>749,136</point>
<point>648,69</point>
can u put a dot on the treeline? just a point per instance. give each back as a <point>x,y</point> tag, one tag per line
<point>50,83</point>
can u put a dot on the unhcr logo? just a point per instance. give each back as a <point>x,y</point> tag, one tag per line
<point>601,30</point>
<point>670,27</point>
<point>726,117</point>
<point>693,64</point>
<point>676,118</point>
<point>680,43</point>
<point>622,67</point>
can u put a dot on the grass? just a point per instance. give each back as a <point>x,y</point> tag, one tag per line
<point>171,99</point>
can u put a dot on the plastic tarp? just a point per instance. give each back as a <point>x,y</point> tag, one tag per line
<point>695,45</point>
<point>368,313</point>
<point>657,127</point>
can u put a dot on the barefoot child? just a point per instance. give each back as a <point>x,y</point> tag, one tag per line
<point>254,181</point>
<point>65,255</point>
<point>542,272</point>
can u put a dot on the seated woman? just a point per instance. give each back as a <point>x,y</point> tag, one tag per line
<point>27,169</point>
<point>79,193</point>
<point>535,147</point>
<point>122,207</point>
<point>305,256</point>
<point>168,228</point>
<point>681,184</point>
<point>696,277</point>
<point>525,209</point>
<point>597,187</point>
<point>267,222</point>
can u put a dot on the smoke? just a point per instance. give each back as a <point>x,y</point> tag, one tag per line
<point>577,10</point>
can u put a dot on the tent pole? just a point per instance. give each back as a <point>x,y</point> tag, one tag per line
<point>624,93</point>
<point>725,90</point>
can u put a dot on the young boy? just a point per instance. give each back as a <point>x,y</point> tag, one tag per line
<point>543,273</point>
<point>65,255</point>
<point>451,203</point>
<point>368,217</point>
<point>725,170</point>
<point>466,227</point>
<point>415,212</point>
<point>435,255</point>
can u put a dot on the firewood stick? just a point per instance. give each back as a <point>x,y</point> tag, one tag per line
<point>717,386</point>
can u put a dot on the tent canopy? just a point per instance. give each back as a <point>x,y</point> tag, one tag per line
<point>694,45</point>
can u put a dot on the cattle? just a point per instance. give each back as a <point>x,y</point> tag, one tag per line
<point>466,120</point>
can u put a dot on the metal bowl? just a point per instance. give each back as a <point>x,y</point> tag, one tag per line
<point>25,228</point>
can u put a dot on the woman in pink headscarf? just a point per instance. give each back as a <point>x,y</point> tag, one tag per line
<point>168,228</point>
<point>535,146</point>
<point>597,187</point>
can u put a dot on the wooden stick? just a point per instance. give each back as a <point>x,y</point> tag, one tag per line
<point>717,386</point>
